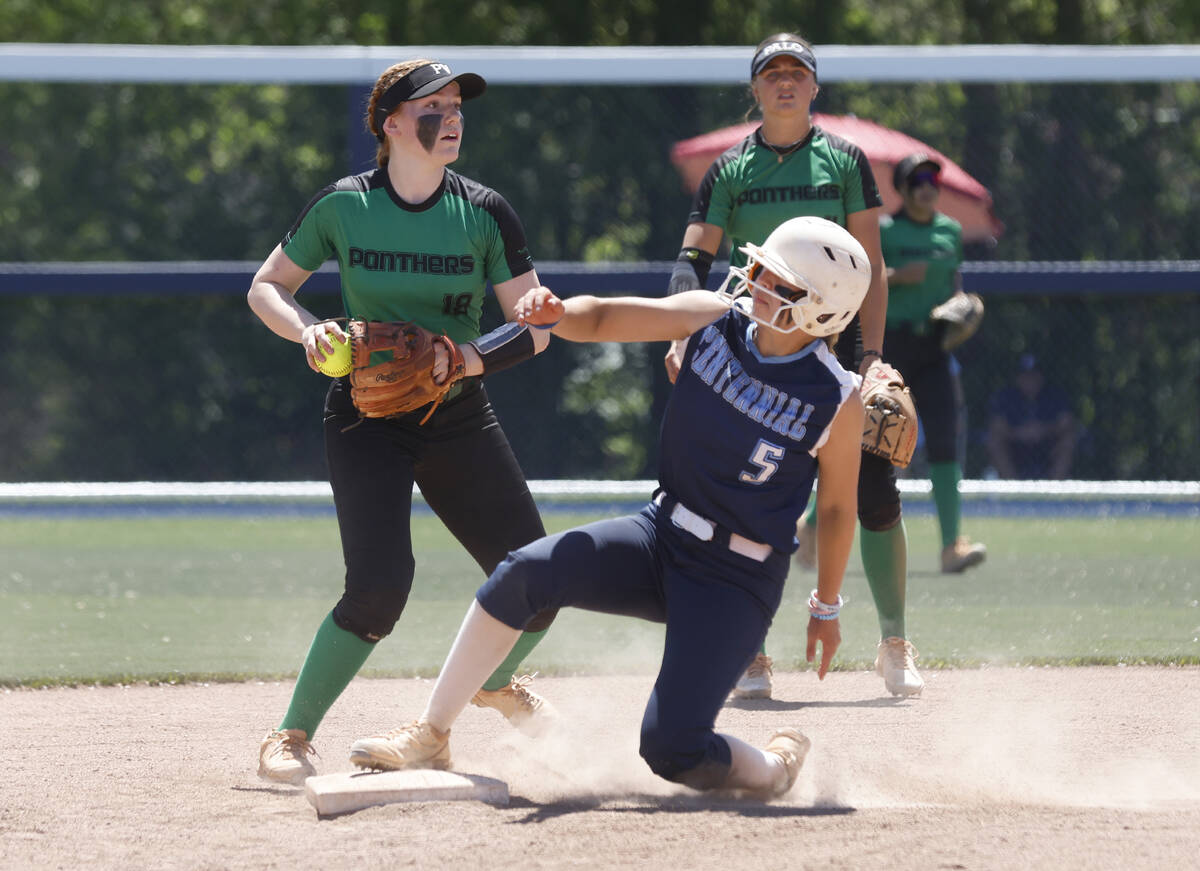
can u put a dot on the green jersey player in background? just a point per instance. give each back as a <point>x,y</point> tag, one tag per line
<point>923,250</point>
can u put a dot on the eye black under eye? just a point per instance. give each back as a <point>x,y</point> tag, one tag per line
<point>788,292</point>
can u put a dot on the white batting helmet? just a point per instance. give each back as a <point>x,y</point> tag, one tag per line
<point>818,256</point>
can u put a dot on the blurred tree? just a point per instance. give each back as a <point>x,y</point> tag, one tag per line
<point>194,388</point>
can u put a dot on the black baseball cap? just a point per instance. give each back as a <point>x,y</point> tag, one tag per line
<point>422,82</point>
<point>785,44</point>
<point>911,164</point>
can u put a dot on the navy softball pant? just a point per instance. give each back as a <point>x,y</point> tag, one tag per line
<point>717,606</point>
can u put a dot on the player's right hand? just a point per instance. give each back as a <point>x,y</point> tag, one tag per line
<point>316,340</point>
<point>674,359</point>
<point>827,633</point>
<point>539,308</point>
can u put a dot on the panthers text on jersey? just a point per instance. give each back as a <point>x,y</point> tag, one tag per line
<point>429,262</point>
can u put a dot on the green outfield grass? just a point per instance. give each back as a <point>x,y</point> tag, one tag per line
<point>191,598</point>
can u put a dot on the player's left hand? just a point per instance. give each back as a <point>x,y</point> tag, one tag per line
<point>827,633</point>
<point>539,308</point>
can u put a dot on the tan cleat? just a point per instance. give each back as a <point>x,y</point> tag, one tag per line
<point>756,682</point>
<point>284,755</point>
<point>895,662</point>
<point>417,745</point>
<point>526,710</point>
<point>962,555</point>
<point>791,746</point>
<point>806,554</point>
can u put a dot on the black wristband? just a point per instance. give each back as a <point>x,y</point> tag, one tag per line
<point>504,347</point>
<point>690,271</point>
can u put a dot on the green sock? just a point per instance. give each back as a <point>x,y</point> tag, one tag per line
<point>503,675</point>
<point>885,558</point>
<point>333,660</point>
<point>810,513</point>
<point>945,478</point>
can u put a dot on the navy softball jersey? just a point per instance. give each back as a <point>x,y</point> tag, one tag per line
<point>741,430</point>
<point>737,446</point>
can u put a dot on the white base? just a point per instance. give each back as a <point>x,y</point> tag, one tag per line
<point>350,791</point>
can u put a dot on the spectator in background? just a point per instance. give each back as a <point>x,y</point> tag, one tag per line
<point>1031,428</point>
<point>923,251</point>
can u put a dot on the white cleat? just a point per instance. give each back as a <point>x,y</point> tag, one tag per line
<point>756,682</point>
<point>895,662</point>
<point>962,555</point>
<point>284,755</point>
<point>791,746</point>
<point>525,709</point>
<point>417,745</point>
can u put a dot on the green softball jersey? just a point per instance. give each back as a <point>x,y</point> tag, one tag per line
<point>749,190</point>
<point>938,243</point>
<point>428,262</point>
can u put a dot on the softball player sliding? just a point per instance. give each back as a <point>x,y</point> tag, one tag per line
<point>760,398</point>
<point>791,167</point>
<point>414,241</point>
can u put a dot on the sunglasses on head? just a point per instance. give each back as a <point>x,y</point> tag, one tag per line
<point>925,176</point>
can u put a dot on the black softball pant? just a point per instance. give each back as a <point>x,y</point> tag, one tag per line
<point>716,604</point>
<point>461,460</point>
<point>936,390</point>
<point>879,506</point>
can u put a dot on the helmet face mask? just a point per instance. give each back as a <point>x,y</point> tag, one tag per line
<point>828,266</point>
<point>757,277</point>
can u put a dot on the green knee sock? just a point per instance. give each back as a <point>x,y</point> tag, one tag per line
<point>333,660</point>
<point>503,675</point>
<point>945,478</point>
<point>885,561</point>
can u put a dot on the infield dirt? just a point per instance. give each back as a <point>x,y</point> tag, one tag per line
<point>1093,768</point>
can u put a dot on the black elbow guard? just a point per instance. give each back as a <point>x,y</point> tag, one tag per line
<point>690,271</point>
<point>504,347</point>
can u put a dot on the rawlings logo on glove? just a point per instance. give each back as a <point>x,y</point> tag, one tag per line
<point>890,426</point>
<point>401,378</point>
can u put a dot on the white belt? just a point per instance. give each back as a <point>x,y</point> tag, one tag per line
<point>705,530</point>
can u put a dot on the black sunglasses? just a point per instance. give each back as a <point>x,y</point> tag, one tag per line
<point>924,177</point>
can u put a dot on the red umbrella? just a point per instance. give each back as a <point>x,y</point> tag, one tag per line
<point>963,198</point>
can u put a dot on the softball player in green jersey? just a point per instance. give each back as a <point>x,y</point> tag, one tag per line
<point>790,167</point>
<point>923,250</point>
<point>413,241</point>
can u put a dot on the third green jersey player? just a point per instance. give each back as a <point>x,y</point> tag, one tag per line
<point>923,248</point>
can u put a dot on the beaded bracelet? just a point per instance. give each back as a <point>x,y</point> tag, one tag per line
<point>822,611</point>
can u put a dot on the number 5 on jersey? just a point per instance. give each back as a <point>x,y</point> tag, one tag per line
<point>765,458</point>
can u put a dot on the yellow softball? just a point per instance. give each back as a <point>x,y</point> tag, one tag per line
<point>337,363</point>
